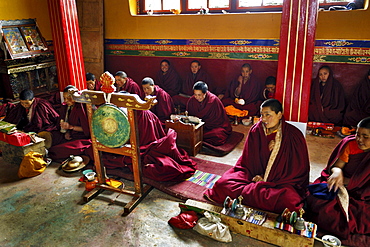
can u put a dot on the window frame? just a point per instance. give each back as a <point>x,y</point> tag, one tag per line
<point>214,9</point>
<point>234,8</point>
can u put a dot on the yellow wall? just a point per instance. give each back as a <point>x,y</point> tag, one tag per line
<point>25,9</point>
<point>120,24</point>
<point>349,24</point>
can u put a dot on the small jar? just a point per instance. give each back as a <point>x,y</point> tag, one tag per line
<point>61,129</point>
<point>90,184</point>
<point>91,181</point>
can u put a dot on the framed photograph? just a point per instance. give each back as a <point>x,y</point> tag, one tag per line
<point>22,38</point>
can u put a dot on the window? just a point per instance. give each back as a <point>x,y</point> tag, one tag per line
<point>255,3</point>
<point>332,1</point>
<point>161,5</point>
<point>216,6</point>
<point>211,4</point>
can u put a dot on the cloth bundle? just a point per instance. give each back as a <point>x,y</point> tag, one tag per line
<point>321,191</point>
<point>232,111</point>
<point>211,226</point>
<point>185,220</point>
<point>32,165</point>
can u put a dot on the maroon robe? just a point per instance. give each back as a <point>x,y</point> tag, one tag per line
<point>359,105</point>
<point>164,107</point>
<point>161,159</point>
<point>170,82</point>
<point>268,95</point>
<point>217,127</point>
<point>329,214</point>
<point>43,117</point>
<point>130,86</point>
<point>5,108</point>
<point>80,142</point>
<point>251,92</point>
<point>191,79</point>
<point>328,107</point>
<point>55,100</point>
<point>187,87</point>
<point>288,178</point>
<point>97,85</point>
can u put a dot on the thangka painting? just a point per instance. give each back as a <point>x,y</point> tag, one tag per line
<point>15,40</point>
<point>22,38</point>
<point>33,38</point>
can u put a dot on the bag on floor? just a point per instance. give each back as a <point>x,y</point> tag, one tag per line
<point>32,165</point>
<point>211,226</point>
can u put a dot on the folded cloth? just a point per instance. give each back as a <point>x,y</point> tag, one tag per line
<point>185,220</point>
<point>18,139</point>
<point>114,183</point>
<point>232,111</point>
<point>321,191</point>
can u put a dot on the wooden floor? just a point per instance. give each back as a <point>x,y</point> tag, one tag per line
<point>47,210</point>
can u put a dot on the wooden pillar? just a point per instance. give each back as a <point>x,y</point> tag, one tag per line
<point>67,43</point>
<point>297,43</point>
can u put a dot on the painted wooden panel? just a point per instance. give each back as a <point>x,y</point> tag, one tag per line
<point>296,51</point>
<point>67,43</point>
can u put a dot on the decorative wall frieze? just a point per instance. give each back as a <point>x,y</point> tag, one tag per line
<point>326,51</point>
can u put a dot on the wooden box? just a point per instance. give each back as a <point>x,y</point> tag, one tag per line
<point>189,136</point>
<point>14,155</point>
<point>265,232</point>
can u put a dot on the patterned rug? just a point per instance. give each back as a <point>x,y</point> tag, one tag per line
<point>193,188</point>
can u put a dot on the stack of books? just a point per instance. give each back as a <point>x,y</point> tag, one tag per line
<point>7,128</point>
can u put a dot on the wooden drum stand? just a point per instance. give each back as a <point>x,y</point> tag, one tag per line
<point>133,103</point>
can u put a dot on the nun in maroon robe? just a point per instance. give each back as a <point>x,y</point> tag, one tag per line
<point>76,140</point>
<point>349,212</point>
<point>283,172</point>
<point>327,102</point>
<point>207,106</point>
<point>250,92</point>
<point>196,74</point>
<point>43,117</point>
<point>168,79</point>
<point>359,105</point>
<point>124,83</point>
<point>92,83</point>
<point>164,107</point>
<point>161,159</point>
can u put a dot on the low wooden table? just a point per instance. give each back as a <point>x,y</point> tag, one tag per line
<point>265,232</point>
<point>14,154</point>
<point>189,136</point>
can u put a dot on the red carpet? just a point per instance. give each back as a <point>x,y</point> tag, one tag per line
<point>234,139</point>
<point>208,173</point>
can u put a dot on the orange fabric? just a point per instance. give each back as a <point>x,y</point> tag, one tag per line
<point>232,111</point>
<point>32,165</point>
<point>350,148</point>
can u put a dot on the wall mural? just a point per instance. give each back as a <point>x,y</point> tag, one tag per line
<point>329,51</point>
